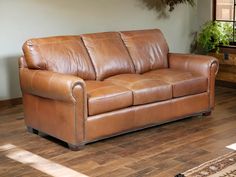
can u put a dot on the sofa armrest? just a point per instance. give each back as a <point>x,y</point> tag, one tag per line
<point>50,85</point>
<point>201,64</point>
<point>204,65</point>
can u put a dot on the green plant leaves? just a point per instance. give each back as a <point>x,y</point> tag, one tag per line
<point>213,34</point>
<point>161,5</point>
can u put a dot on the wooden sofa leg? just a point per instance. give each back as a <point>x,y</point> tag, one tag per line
<point>206,113</point>
<point>75,147</point>
<point>31,130</point>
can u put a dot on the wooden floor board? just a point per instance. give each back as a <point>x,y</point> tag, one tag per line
<point>161,151</point>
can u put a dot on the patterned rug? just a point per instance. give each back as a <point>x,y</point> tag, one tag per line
<point>224,166</point>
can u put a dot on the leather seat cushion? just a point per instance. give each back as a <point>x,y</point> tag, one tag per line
<point>104,97</point>
<point>183,82</point>
<point>145,90</point>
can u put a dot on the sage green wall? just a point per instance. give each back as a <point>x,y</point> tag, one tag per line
<point>204,11</point>
<point>24,19</point>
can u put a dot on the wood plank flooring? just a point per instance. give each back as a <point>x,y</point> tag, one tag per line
<point>161,151</point>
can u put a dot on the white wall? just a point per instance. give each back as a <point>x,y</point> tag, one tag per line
<point>24,19</point>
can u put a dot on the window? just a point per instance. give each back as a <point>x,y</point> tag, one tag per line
<point>224,11</point>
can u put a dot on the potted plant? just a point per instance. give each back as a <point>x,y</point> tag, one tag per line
<point>212,35</point>
<point>161,6</point>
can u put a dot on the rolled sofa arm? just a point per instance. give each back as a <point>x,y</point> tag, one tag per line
<point>50,85</point>
<point>204,65</point>
<point>201,64</point>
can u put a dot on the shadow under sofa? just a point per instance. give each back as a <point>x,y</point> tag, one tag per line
<point>84,88</point>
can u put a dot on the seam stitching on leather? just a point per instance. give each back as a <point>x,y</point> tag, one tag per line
<point>211,66</point>
<point>114,95</point>
<point>45,63</point>
<point>56,42</point>
<point>96,89</point>
<point>73,85</point>
<point>123,42</point>
<point>92,62</point>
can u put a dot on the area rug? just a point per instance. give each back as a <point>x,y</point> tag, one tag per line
<point>223,166</point>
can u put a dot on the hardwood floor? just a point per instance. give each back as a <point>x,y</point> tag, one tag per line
<point>161,151</point>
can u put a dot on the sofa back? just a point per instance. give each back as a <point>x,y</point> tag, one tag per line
<point>147,48</point>
<point>108,54</point>
<point>64,54</point>
<point>99,55</point>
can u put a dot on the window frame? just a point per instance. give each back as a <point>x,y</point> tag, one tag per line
<point>230,21</point>
<point>214,10</point>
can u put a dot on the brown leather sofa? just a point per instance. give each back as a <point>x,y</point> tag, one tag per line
<point>84,88</point>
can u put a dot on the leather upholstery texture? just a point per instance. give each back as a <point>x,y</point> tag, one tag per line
<point>148,49</point>
<point>183,83</point>
<point>144,89</point>
<point>204,65</point>
<point>22,63</point>
<point>81,89</point>
<point>44,114</point>
<point>142,116</point>
<point>49,84</point>
<point>108,54</point>
<point>105,97</point>
<point>64,54</point>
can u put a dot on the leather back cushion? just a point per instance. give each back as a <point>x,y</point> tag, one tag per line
<point>64,54</point>
<point>147,48</point>
<point>108,54</point>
